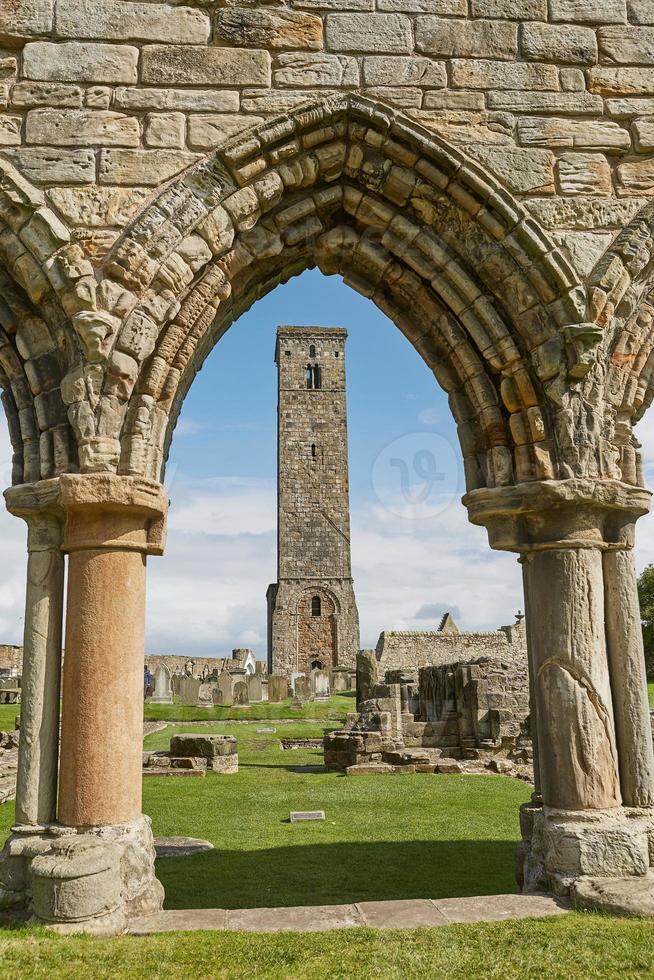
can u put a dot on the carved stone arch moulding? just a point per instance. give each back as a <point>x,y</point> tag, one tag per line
<point>355,189</point>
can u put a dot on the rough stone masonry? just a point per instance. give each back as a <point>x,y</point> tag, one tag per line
<point>483,171</point>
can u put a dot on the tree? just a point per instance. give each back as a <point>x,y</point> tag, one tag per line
<point>646,599</point>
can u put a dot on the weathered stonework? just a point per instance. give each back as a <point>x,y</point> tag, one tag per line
<point>312,614</point>
<point>484,174</point>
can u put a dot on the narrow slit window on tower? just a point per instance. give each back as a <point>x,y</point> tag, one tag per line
<point>312,350</point>
<point>316,606</point>
<point>317,380</point>
<point>309,376</point>
<point>313,450</point>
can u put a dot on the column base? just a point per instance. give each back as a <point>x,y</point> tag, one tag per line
<point>599,858</point>
<point>106,873</point>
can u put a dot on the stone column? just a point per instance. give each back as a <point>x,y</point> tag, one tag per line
<point>112,523</point>
<point>38,749</point>
<point>628,679</point>
<point>585,657</point>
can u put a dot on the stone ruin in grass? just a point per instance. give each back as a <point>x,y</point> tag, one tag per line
<point>194,755</point>
<point>466,715</point>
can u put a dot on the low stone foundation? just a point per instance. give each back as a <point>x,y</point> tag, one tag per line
<point>194,753</point>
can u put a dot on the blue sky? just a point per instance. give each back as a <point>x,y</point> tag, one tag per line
<point>414,553</point>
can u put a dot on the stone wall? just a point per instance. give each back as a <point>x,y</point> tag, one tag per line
<point>11,658</point>
<point>103,101</point>
<point>411,650</point>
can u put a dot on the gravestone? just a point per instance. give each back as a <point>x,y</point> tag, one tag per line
<point>339,680</point>
<point>260,667</point>
<point>205,695</point>
<point>277,687</point>
<point>303,689</point>
<point>189,689</point>
<point>241,693</point>
<point>264,688</point>
<point>255,687</point>
<point>163,691</point>
<point>320,684</point>
<point>367,675</point>
<point>294,677</point>
<point>174,683</point>
<point>224,689</point>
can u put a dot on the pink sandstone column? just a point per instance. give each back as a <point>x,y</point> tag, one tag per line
<point>112,523</point>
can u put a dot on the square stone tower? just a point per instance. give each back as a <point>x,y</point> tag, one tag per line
<point>312,614</point>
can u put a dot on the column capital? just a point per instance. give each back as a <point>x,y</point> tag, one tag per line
<point>113,513</point>
<point>558,514</point>
<point>39,506</point>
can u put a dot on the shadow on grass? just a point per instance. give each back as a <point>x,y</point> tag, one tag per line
<point>339,873</point>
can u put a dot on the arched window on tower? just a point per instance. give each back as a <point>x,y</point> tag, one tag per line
<point>316,606</point>
<point>313,450</point>
<point>317,379</point>
<point>309,376</point>
<point>312,350</point>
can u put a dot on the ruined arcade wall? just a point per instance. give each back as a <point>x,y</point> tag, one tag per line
<point>398,650</point>
<point>100,102</point>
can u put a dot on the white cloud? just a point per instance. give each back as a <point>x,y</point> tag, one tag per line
<point>429,416</point>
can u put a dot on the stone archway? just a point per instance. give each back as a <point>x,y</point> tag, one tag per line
<point>520,344</point>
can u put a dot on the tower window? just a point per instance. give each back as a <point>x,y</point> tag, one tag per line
<point>312,350</point>
<point>313,450</point>
<point>309,376</point>
<point>316,606</point>
<point>288,353</point>
<point>313,376</point>
<point>336,354</point>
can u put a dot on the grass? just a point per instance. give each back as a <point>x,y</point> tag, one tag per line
<point>650,688</point>
<point>8,714</point>
<point>572,947</point>
<point>384,837</point>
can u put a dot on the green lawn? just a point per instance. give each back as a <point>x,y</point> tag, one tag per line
<point>384,837</point>
<point>335,708</point>
<point>573,947</point>
<point>650,688</point>
<point>8,714</point>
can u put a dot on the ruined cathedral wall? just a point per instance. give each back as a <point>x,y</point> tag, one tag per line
<point>102,101</point>
<point>411,650</point>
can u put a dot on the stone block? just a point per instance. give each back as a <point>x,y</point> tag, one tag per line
<point>626,45</point>
<point>269,28</point>
<point>81,127</point>
<point>80,61</point>
<point>572,80</point>
<point>184,65</point>
<point>51,165</point>
<point>485,74</point>
<point>466,39</point>
<point>584,173</point>
<point>589,11</point>
<point>206,131</point>
<point>369,33</point>
<point>180,100</point>
<point>20,19</point>
<point>282,100</point>
<point>641,11</point>
<point>29,94</point>
<point>295,69</point>
<point>584,247</point>
<point>643,130</point>
<point>523,171</point>
<point>581,134</point>
<point>448,8</point>
<point>621,81</point>
<point>98,207</point>
<point>575,103</point>
<point>202,746</point>
<point>119,20</point>
<point>511,9</point>
<point>10,127</point>
<point>551,42</point>
<point>404,71</point>
<point>587,213</point>
<point>635,179</point>
<point>446,99</point>
<point>167,129</point>
<point>142,167</point>
<point>626,108</point>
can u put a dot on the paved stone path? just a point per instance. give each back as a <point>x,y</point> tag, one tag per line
<point>408,914</point>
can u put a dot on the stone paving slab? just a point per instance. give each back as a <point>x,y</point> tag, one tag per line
<point>404,914</point>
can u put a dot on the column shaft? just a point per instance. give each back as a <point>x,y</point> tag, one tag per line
<point>102,726</point>
<point>628,679</point>
<point>574,710</point>
<point>38,749</point>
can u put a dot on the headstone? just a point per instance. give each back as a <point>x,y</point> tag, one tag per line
<point>255,687</point>
<point>174,683</point>
<point>303,689</point>
<point>205,673</point>
<point>320,684</point>
<point>205,695</point>
<point>294,677</point>
<point>241,693</point>
<point>189,688</point>
<point>264,688</point>
<point>163,691</point>
<point>277,687</point>
<point>339,680</point>
<point>367,675</point>
<point>224,690</point>
<point>260,667</point>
